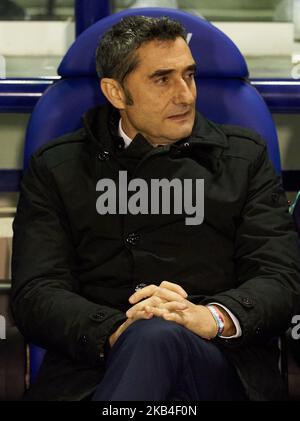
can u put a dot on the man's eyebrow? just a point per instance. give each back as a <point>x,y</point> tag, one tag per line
<point>166,72</point>
<point>192,67</point>
<point>161,72</point>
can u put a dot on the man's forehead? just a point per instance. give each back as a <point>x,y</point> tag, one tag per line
<point>165,54</point>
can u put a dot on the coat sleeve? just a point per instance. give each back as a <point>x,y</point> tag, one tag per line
<point>45,300</point>
<point>266,259</point>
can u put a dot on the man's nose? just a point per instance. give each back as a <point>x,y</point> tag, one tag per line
<point>184,93</point>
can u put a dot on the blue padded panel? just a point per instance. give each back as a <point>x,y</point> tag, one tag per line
<point>36,358</point>
<point>59,111</point>
<point>215,54</point>
<point>238,103</point>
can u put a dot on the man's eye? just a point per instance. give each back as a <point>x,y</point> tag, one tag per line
<point>191,75</point>
<point>162,80</point>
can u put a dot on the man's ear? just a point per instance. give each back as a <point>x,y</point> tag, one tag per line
<point>113,92</point>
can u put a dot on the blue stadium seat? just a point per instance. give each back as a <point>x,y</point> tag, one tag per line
<point>222,74</point>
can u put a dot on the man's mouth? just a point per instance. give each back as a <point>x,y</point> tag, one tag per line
<point>178,117</point>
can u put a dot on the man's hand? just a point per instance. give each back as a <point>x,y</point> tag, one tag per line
<point>196,318</point>
<point>168,293</point>
<point>156,296</point>
<point>168,300</point>
<point>128,322</point>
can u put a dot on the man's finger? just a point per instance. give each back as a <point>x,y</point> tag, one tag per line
<point>174,287</point>
<point>167,315</point>
<point>154,301</point>
<point>168,295</point>
<point>143,315</point>
<point>169,306</point>
<point>174,317</point>
<point>139,295</point>
<point>149,290</point>
<point>156,311</point>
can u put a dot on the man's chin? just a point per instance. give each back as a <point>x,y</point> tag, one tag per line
<point>180,133</point>
<point>180,129</point>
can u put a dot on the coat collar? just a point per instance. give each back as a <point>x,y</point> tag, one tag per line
<point>207,133</point>
<point>206,142</point>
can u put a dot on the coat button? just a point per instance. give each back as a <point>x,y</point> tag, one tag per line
<point>104,156</point>
<point>82,340</point>
<point>275,198</point>
<point>132,239</point>
<point>258,331</point>
<point>247,302</point>
<point>97,317</point>
<point>175,153</point>
<point>186,145</point>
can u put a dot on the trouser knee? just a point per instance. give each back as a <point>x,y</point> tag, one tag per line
<point>156,331</point>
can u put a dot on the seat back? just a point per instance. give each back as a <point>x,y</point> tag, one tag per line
<point>222,73</point>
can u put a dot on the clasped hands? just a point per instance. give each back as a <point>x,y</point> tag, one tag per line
<point>169,301</point>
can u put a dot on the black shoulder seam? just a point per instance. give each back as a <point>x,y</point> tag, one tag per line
<point>76,137</point>
<point>238,131</point>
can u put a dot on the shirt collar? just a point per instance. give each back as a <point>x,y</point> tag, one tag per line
<point>204,130</point>
<point>124,136</point>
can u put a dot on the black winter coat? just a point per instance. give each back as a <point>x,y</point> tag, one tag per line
<point>73,269</point>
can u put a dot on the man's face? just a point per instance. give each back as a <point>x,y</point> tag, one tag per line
<point>163,91</point>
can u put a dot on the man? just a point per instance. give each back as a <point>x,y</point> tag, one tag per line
<point>134,305</point>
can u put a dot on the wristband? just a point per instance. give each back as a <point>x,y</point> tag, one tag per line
<point>218,319</point>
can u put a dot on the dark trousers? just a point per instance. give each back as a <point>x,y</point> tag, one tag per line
<point>159,360</point>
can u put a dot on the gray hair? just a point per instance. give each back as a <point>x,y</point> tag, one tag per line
<point>116,55</point>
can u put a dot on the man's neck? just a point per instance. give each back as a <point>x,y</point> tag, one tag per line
<point>128,140</point>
